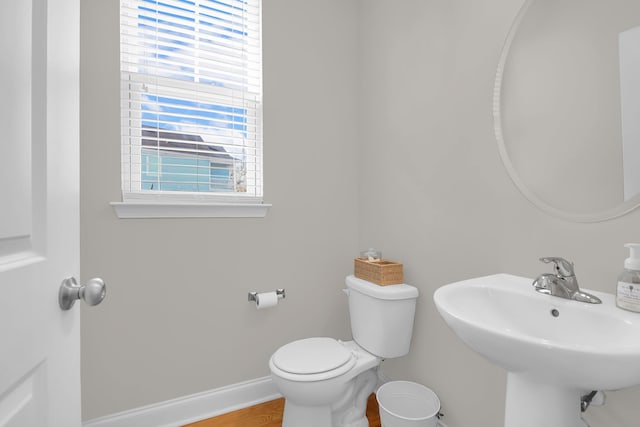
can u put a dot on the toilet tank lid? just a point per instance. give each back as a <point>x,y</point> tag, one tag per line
<point>389,292</point>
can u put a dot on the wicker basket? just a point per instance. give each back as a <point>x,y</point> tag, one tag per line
<point>379,272</point>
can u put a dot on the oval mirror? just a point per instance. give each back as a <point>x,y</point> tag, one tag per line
<point>567,106</point>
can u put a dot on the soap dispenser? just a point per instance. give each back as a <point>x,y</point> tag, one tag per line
<point>628,292</point>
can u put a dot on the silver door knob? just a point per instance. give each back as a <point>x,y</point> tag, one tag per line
<point>92,293</point>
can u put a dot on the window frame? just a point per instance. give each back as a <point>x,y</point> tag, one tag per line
<point>140,203</point>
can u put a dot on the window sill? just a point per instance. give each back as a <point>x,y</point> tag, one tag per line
<point>189,210</point>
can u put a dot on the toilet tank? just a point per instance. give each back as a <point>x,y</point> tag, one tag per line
<point>381,316</point>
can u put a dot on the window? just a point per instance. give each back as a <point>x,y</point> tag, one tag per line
<point>191,101</point>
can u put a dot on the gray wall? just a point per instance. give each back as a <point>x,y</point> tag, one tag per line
<point>434,194</point>
<point>176,320</point>
<point>393,116</point>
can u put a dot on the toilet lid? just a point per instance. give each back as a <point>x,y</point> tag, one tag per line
<point>311,356</point>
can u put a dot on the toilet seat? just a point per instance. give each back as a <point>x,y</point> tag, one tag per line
<point>313,359</point>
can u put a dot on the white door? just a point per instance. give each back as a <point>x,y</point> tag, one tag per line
<point>39,213</point>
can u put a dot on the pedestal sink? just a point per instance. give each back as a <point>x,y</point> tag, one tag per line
<point>555,350</point>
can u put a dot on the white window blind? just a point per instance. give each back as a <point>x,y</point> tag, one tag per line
<point>191,100</point>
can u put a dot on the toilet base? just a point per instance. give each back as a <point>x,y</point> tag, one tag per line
<point>348,411</point>
<point>363,422</point>
<point>318,416</point>
<point>308,416</point>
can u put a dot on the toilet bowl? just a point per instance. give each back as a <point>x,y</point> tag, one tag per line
<point>319,378</point>
<point>327,382</point>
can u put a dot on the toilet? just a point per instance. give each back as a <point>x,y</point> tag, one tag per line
<point>327,382</point>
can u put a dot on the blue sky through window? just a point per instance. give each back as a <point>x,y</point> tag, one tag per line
<point>172,113</point>
<point>172,32</point>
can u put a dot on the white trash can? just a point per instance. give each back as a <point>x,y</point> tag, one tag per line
<point>407,404</point>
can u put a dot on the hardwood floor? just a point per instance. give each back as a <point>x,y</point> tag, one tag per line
<point>372,412</point>
<point>269,414</point>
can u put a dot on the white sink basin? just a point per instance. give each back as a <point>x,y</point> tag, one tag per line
<point>554,349</point>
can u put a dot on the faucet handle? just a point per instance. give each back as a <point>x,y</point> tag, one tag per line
<point>563,267</point>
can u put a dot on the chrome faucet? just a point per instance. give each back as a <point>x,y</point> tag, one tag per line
<point>563,283</point>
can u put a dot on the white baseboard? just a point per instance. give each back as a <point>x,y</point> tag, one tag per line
<point>196,407</point>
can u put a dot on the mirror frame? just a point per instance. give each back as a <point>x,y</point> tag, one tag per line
<point>615,212</point>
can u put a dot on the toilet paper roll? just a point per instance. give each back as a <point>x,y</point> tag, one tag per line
<point>266,300</point>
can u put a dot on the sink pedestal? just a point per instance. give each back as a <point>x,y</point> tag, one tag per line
<point>531,403</point>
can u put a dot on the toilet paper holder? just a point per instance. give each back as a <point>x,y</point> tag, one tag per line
<point>279,292</point>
